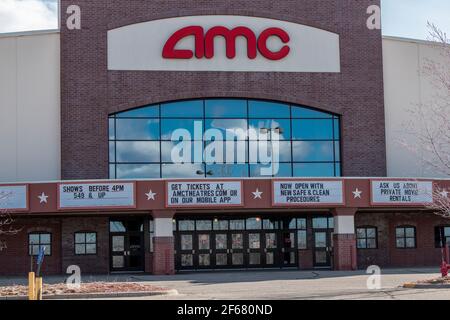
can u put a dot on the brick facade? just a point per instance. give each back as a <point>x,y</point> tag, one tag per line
<point>89,92</point>
<point>98,263</point>
<point>163,255</point>
<point>344,252</point>
<point>387,255</point>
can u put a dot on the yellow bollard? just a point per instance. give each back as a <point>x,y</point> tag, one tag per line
<point>38,288</point>
<point>31,286</point>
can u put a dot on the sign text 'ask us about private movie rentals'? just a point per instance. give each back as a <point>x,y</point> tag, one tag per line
<point>308,192</point>
<point>402,192</point>
<point>199,194</point>
<point>96,195</point>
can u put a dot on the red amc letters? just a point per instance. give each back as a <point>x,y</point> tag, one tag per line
<point>204,43</point>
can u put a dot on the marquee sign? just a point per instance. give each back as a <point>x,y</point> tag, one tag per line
<point>320,192</point>
<point>223,43</point>
<point>204,193</point>
<point>401,192</point>
<point>96,195</point>
<point>14,197</point>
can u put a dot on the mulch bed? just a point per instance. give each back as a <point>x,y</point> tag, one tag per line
<point>444,280</point>
<point>85,288</point>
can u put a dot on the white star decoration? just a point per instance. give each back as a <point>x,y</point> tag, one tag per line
<point>357,193</point>
<point>150,195</point>
<point>257,194</point>
<point>43,198</point>
<point>444,193</point>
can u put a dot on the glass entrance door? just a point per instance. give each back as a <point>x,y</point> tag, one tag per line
<point>322,241</point>
<point>127,245</point>
<point>289,249</point>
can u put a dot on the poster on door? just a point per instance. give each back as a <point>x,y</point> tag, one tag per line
<point>204,194</point>
<point>96,195</point>
<point>13,197</point>
<point>308,193</point>
<point>401,192</point>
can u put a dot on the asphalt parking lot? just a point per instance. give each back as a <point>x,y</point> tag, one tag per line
<point>276,284</point>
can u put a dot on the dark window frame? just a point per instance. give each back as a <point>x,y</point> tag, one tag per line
<point>50,244</point>
<point>75,243</point>
<point>404,227</point>
<point>438,241</point>
<point>365,227</point>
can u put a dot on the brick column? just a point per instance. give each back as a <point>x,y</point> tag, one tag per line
<point>344,239</point>
<point>163,243</point>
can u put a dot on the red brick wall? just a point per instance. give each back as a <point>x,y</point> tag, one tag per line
<point>89,92</point>
<point>98,263</point>
<point>344,252</point>
<point>14,260</point>
<point>163,255</point>
<point>387,255</point>
<point>305,259</point>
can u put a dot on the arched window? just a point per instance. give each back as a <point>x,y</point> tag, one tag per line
<point>299,141</point>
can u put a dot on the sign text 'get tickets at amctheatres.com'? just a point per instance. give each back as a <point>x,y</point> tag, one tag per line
<point>194,193</point>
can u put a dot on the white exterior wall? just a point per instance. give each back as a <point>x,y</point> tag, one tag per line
<point>30,107</point>
<point>405,87</point>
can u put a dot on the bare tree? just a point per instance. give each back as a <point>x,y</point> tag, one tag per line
<point>6,221</point>
<point>431,119</point>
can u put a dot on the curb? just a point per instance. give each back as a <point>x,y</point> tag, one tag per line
<point>99,295</point>
<point>425,286</point>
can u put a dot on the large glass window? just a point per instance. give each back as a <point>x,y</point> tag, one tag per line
<point>37,241</point>
<point>405,237</point>
<point>142,143</point>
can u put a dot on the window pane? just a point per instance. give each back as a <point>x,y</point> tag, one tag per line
<point>361,243</point>
<point>265,109</point>
<point>228,170</point>
<point>312,129</point>
<point>399,232</point>
<point>253,224</point>
<point>220,224</point>
<point>320,223</point>
<point>337,129</point>
<point>221,242</point>
<point>183,170</point>
<point>186,225</point>
<point>137,129</point>
<point>35,250</point>
<point>261,151</point>
<point>277,170</point>
<point>187,126</point>
<point>221,108</point>
<point>137,151</point>
<point>186,242</point>
<point>269,224</point>
<point>91,238</point>
<point>112,151</point>
<point>182,109</point>
<point>280,129</point>
<point>111,126</point>
<point>301,223</point>
<point>91,248</point>
<point>313,170</point>
<point>34,238</point>
<point>144,112</point>
<point>80,238</point>
<point>299,112</point>
<point>301,235</point>
<point>80,249</point>
<point>361,233</point>
<point>226,152</point>
<point>237,241</point>
<point>371,233</point>
<point>112,171</point>
<point>400,242</point>
<point>116,226</point>
<point>237,225</point>
<point>48,250</point>
<point>409,232</point>
<point>410,242</point>
<point>183,151</point>
<point>138,171</point>
<point>204,225</point>
<point>45,238</point>
<point>254,240</point>
<point>312,151</point>
<point>204,242</point>
<point>228,128</point>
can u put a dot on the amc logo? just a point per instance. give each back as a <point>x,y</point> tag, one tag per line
<point>204,43</point>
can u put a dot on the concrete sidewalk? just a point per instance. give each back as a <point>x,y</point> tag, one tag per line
<point>277,284</point>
